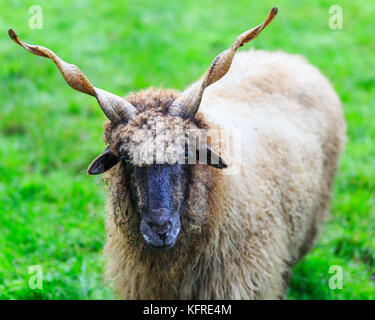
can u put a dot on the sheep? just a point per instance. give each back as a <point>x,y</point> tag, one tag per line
<point>177,230</point>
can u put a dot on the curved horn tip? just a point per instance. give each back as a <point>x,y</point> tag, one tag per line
<point>274,11</point>
<point>12,34</point>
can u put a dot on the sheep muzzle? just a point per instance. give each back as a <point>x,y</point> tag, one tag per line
<point>158,192</point>
<point>160,228</point>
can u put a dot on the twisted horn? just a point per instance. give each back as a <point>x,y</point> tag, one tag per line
<point>114,107</point>
<point>188,103</point>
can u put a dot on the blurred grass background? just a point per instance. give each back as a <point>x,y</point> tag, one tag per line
<point>52,213</point>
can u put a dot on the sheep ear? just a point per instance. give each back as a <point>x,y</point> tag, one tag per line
<point>103,162</point>
<point>211,158</point>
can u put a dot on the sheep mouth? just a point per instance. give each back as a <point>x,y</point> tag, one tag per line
<point>159,246</point>
<point>161,237</point>
<point>155,242</point>
<point>163,247</point>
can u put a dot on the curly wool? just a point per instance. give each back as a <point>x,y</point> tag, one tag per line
<point>152,131</point>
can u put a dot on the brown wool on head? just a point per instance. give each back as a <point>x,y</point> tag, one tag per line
<point>153,128</point>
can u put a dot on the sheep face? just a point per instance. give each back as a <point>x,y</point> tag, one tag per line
<point>152,146</point>
<point>154,151</point>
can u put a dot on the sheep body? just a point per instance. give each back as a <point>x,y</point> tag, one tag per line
<point>243,232</point>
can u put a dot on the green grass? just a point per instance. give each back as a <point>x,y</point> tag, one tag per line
<point>52,213</point>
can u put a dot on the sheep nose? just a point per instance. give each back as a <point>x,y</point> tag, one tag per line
<point>161,229</point>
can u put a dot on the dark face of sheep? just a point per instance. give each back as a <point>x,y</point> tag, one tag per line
<point>158,192</point>
<point>157,158</point>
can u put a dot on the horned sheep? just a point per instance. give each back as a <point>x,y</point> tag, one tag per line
<point>230,227</point>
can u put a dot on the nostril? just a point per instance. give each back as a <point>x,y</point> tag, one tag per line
<point>161,229</point>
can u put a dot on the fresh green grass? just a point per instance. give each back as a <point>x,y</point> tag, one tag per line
<point>52,213</point>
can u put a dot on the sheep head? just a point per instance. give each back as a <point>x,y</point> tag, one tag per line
<point>155,146</point>
<point>156,153</point>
